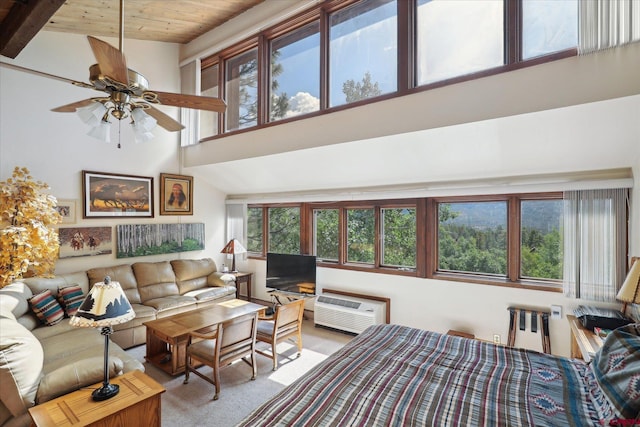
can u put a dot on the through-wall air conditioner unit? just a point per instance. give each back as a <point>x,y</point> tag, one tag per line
<point>348,314</point>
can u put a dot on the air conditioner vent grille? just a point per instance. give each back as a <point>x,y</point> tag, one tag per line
<point>350,314</point>
<point>339,301</point>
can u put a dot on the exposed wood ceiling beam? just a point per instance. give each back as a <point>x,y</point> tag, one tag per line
<point>23,22</point>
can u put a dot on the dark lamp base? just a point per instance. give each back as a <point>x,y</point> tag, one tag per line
<point>105,392</point>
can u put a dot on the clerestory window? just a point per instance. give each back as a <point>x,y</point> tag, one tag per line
<point>343,53</point>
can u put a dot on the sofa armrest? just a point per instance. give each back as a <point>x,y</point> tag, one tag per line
<point>21,361</point>
<point>216,279</point>
<point>75,375</point>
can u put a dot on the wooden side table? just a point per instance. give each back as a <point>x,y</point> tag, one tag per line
<point>584,343</point>
<point>243,278</point>
<point>136,405</point>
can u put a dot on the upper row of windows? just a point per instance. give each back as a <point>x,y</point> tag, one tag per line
<point>345,51</point>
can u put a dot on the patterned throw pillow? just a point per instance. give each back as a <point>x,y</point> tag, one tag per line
<point>616,367</point>
<point>45,306</point>
<point>70,299</point>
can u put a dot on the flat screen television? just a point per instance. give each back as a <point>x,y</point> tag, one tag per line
<point>291,273</point>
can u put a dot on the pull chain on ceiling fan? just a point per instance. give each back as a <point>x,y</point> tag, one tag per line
<point>128,94</point>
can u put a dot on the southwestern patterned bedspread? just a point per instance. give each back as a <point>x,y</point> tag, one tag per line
<point>392,375</point>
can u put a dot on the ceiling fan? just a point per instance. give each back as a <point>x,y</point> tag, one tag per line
<point>127,91</point>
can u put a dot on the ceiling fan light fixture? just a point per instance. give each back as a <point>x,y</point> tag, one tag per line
<point>101,131</point>
<point>142,120</point>
<point>128,93</point>
<point>92,114</point>
<point>141,135</point>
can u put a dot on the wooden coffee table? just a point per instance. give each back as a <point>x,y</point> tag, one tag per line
<point>167,337</point>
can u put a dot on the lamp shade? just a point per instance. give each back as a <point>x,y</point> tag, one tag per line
<point>143,120</point>
<point>141,135</point>
<point>630,291</point>
<point>92,114</point>
<point>233,247</point>
<point>105,305</point>
<point>101,131</point>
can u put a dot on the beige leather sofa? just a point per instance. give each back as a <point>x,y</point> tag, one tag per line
<point>39,363</point>
<point>160,289</point>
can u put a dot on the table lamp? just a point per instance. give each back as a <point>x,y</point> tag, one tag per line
<point>232,248</point>
<point>105,305</point>
<point>630,290</point>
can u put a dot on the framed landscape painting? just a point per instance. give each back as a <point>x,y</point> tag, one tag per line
<point>176,194</point>
<point>134,240</point>
<point>108,195</point>
<point>84,241</point>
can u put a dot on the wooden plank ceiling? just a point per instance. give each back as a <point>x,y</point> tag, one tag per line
<point>174,21</point>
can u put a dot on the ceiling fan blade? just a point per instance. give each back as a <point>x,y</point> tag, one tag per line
<point>111,60</point>
<point>163,120</point>
<point>47,75</point>
<point>71,108</point>
<point>188,101</point>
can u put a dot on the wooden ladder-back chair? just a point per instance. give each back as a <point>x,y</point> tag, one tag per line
<point>285,323</point>
<point>230,341</point>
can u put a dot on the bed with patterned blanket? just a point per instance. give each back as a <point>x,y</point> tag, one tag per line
<point>393,375</point>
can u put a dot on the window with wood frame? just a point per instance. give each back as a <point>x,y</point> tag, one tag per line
<point>508,240</point>
<point>344,53</point>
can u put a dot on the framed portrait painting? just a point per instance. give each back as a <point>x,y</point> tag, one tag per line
<point>176,194</point>
<point>108,195</point>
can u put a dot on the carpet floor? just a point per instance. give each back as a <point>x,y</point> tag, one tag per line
<point>192,404</point>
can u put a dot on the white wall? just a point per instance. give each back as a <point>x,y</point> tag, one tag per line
<point>54,147</point>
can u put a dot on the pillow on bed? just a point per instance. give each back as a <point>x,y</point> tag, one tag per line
<point>617,369</point>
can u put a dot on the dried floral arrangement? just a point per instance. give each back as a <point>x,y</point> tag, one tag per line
<point>28,244</point>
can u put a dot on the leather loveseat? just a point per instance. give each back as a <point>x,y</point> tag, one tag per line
<point>40,362</point>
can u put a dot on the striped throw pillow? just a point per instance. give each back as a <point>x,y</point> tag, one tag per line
<point>45,306</point>
<point>70,298</point>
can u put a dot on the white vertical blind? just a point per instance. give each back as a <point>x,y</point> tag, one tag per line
<point>595,242</point>
<point>236,222</point>
<point>607,23</point>
<point>189,84</point>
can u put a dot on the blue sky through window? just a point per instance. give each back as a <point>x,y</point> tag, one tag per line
<point>455,37</point>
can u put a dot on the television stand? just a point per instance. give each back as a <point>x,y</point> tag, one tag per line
<point>290,296</point>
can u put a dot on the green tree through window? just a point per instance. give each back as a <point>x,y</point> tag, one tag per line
<point>399,237</point>
<point>284,230</point>
<point>254,230</point>
<point>541,239</point>
<point>472,237</point>
<point>326,223</point>
<point>242,90</point>
<point>356,91</point>
<point>360,235</point>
